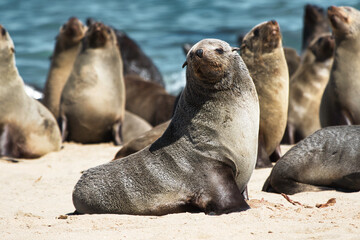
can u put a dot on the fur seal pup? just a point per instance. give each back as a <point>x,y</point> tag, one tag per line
<point>27,128</point>
<point>148,100</point>
<point>134,126</point>
<point>315,24</point>
<point>307,87</point>
<point>93,100</point>
<point>329,158</point>
<point>340,102</point>
<point>135,61</point>
<point>263,54</point>
<point>204,159</point>
<point>67,47</point>
<point>142,141</point>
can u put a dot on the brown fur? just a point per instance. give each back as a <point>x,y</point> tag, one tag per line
<point>133,127</point>
<point>263,54</point>
<point>67,47</point>
<point>307,87</point>
<point>93,99</point>
<point>142,141</point>
<point>340,102</point>
<point>148,100</point>
<point>27,128</point>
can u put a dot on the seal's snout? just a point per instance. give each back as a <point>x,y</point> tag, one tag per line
<point>199,53</point>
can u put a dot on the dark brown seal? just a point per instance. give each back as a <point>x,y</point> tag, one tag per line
<point>204,159</point>
<point>93,100</point>
<point>148,100</point>
<point>307,87</point>
<point>329,158</point>
<point>340,102</point>
<point>67,47</point>
<point>315,24</point>
<point>263,54</point>
<point>133,127</point>
<point>27,128</point>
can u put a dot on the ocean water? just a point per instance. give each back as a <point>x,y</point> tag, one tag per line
<point>160,27</point>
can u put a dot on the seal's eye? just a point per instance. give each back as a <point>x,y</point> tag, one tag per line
<point>3,31</point>
<point>256,32</point>
<point>108,30</point>
<point>219,50</point>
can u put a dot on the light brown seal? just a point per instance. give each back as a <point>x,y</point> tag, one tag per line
<point>93,100</point>
<point>307,87</point>
<point>27,128</point>
<point>340,102</point>
<point>142,141</point>
<point>148,100</point>
<point>263,54</point>
<point>327,159</point>
<point>67,47</point>
<point>204,159</point>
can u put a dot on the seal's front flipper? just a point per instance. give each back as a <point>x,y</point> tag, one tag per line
<point>221,195</point>
<point>117,133</point>
<point>263,160</point>
<point>350,182</point>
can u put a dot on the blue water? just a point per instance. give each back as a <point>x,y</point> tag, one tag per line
<point>159,26</point>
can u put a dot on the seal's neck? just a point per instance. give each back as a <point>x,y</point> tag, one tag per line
<point>8,70</point>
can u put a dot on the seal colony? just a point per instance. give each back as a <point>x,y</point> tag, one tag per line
<point>204,159</point>
<point>27,128</point>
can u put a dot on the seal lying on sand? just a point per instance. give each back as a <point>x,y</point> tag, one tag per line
<point>262,52</point>
<point>27,128</point>
<point>148,100</point>
<point>134,126</point>
<point>93,100</point>
<point>142,141</point>
<point>340,103</point>
<point>204,159</point>
<point>67,47</point>
<point>329,158</point>
<point>307,87</point>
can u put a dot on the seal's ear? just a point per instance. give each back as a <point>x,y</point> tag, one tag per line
<point>12,49</point>
<point>185,64</point>
<point>235,49</point>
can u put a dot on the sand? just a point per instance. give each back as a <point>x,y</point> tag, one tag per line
<point>35,197</point>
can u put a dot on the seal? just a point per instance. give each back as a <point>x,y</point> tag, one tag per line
<point>340,102</point>
<point>141,141</point>
<point>292,60</point>
<point>93,100</point>
<point>263,54</point>
<point>67,47</point>
<point>204,159</point>
<point>315,24</point>
<point>307,87</point>
<point>135,61</point>
<point>148,100</point>
<point>329,158</point>
<point>27,128</point>
<point>133,127</point>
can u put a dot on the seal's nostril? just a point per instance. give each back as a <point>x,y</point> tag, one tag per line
<point>199,53</point>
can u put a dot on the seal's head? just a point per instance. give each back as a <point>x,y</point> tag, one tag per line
<point>263,38</point>
<point>313,14</point>
<point>99,35</point>
<point>323,47</point>
<point>345,21</point>
<point>212,62</point>
<point>6,44</point>
<point>72,32</point>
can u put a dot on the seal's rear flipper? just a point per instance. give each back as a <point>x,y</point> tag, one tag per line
<point>263,160</point>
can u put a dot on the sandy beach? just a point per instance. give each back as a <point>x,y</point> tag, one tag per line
<point>35,197</point>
